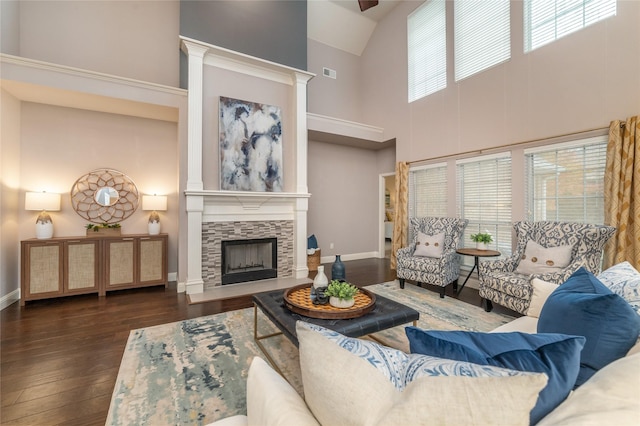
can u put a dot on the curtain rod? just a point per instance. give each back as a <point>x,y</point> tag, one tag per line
<point>500,147</point>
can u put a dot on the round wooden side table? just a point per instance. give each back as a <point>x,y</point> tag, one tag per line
<point>477,254</point>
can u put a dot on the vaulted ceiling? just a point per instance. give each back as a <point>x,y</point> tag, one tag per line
<point>341,24</point>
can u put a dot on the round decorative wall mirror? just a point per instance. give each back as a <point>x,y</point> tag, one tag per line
<point>104,196</point>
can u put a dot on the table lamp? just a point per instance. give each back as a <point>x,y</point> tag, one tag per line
<point>43,201</point>
<point>155,203</point>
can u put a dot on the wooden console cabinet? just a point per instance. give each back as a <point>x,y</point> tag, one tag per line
<point>65,266</point>
<point>138,261</point>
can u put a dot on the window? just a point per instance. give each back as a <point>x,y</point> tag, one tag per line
<point>484,198</point>
<point>547,20</point>
<point>566,182</point>
<point>427,49</point>
<point>481,35</point>
<point>428,191</point>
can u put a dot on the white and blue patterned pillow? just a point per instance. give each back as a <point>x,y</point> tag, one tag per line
<point>624,280</point>
<point>356,382</point>
<point>401,368</point>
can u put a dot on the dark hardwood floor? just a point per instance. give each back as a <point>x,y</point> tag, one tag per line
<point>60,357</point>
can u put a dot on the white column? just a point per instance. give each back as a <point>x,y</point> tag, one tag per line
<point>302,204</point>
<point>195,207</point>
<point>300,269</point>
<point>194,203</point>
<point>196,54</point>
<point>300,105</point>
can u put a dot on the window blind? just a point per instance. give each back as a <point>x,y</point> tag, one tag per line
<point>428,191</point>
<point>547,20</point>
<point>565,182</point>
<point>484,198</point>
<point>481,35</point>
<point>427,49</point>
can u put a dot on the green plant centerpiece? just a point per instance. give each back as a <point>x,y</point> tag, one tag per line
<point>102,225</point>
<point>341,294</point>
<point>103,228</point>
<point>482,239</point>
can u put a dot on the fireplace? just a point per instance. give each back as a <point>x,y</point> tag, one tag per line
<point>212,215</point>
<point>249,260</point>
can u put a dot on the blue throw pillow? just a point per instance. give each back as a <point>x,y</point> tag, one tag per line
<point>556,355</point>
<point>583,306</point>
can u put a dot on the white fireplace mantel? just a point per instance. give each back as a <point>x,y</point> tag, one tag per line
<point>246,196</point>
<point>229,206</point>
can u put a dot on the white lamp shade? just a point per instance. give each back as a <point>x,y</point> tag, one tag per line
<point>42,201</point>
<point>154,202</point>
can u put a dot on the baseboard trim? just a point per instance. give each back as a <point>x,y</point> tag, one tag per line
<point>10,299</point>
<point>352,256</point>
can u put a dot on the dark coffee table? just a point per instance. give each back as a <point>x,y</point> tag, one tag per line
<point>386,314</point>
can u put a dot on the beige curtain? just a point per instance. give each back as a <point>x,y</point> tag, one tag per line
<point>400,224</point>
<point>621,191</point>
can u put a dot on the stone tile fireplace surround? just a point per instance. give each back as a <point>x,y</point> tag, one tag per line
<point>214,233</point>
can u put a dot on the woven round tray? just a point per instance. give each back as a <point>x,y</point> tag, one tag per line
<point>297,299</point>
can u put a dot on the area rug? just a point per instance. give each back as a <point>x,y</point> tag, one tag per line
<point>194,372</point>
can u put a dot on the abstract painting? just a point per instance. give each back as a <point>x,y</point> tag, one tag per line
<point>250,146</point>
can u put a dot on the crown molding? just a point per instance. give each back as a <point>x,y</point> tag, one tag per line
<point>6,59</point>
<point>220,57</point>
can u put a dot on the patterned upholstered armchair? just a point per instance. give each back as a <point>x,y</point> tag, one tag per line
<point>440,271</point>
<point>502,283</point>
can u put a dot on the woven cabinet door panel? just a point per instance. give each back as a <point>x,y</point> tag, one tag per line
<point>121,262</point>
<point>81,265</point>
<point>44,269</point>
<point>151,260</point>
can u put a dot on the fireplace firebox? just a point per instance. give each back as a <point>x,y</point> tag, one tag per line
<point>249,260</point>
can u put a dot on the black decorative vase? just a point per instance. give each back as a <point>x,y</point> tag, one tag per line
<point>337,270</point>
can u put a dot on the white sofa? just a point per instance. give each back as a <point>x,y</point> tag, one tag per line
<point>608,397</point>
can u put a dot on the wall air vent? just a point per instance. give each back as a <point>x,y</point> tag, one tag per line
<point>328,72</point>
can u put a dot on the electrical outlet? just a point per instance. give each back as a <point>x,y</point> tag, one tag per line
<point>331,246</point>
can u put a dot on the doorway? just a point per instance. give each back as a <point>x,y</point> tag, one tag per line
<point>387,185</point>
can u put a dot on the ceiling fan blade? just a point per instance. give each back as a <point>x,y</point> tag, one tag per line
<point>366,4</point>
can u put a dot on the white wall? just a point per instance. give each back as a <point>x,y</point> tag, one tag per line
<point>580,82</point>
<point>338,97</point>
<point>386,159</point>
<point>10,27</point>
<point>344,204</point>
<point>343,181</point>
<point>219,82</point>
<point>59,145</point>
<point>134,39</point>
<point>9,194</point>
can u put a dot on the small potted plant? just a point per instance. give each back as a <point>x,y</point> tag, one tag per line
<point>341,294</point>
<point>482,239</point>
